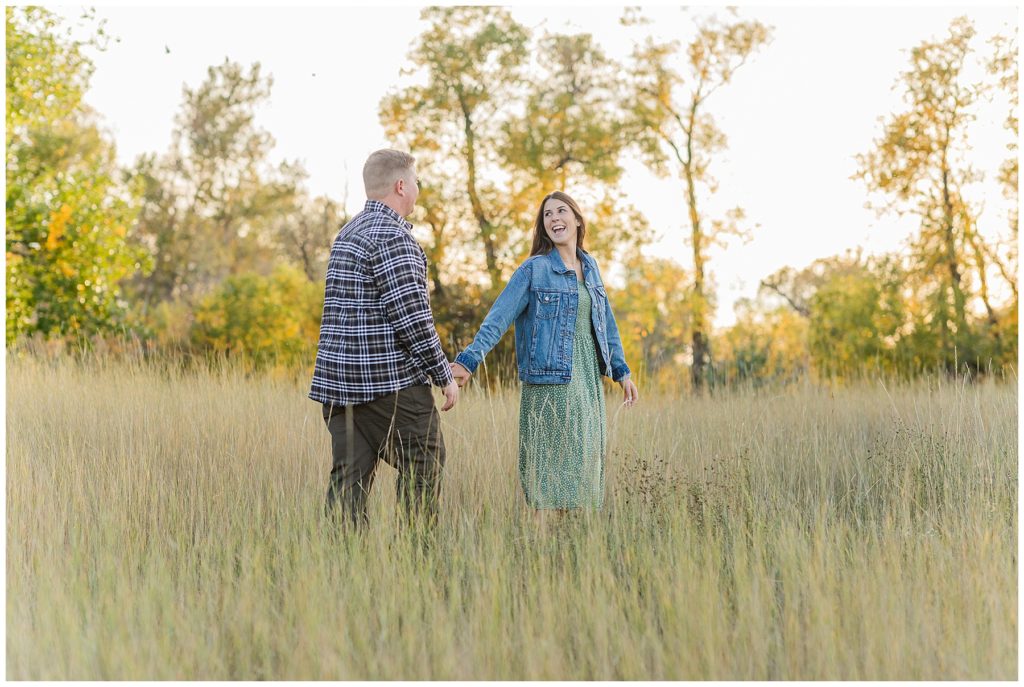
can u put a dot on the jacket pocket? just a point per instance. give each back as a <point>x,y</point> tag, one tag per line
<point>546,304</point>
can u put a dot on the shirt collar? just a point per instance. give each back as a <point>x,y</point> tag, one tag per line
<point>377,206</point>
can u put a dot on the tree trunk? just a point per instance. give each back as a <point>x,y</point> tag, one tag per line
<point>486,228</point>
<point>435,256</point>
<point>952,257</point>
<point>979,256</point>
<point>700,339</point>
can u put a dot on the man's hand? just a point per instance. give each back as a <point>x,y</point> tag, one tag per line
<point>451,396</point>
<point>630,394</point>
<point>461,374</point>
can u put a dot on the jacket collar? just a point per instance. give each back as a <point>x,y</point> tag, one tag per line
<point>377,206</point>
<point>558,265</point>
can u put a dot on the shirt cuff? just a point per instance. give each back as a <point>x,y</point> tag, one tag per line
<point>445,377</point>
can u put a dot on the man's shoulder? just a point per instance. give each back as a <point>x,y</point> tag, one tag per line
<point>383,228</point>
<point>372,227</point>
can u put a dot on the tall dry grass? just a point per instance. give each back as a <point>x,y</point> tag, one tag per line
<point>166,525</point>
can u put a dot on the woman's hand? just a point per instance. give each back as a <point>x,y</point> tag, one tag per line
<point>461,374</point>
<point>630,394</point>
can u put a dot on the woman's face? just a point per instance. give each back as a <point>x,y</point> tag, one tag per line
<point>560,223</point>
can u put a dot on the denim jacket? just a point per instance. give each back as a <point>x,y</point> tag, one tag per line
<point>542,299</point>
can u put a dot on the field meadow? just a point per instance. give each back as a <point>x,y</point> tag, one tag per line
<point>166,524</point>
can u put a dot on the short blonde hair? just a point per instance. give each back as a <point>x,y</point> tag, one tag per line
<point>382,169</point>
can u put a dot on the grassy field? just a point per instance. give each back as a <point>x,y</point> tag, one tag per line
<point>164,525</point>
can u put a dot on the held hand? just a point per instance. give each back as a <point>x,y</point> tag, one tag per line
<point>461,374</point>
<point>630,394</point>
<point>451,396</point>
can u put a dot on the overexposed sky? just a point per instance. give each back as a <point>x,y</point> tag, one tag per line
<point>795,116</point>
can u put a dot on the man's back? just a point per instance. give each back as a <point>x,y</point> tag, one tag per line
<point>377,333</point>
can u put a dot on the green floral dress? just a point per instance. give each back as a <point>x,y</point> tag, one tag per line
<point>562,430</point>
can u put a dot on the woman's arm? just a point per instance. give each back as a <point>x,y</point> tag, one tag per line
<point>514,298</point>
<point>619,367</point>
<point>619,370</point>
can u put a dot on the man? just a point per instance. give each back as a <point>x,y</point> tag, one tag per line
<point>379,350</point>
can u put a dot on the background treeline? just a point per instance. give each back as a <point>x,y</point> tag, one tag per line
<point>211,248</point>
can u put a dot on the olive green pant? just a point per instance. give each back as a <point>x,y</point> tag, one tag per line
<point>403,429</point>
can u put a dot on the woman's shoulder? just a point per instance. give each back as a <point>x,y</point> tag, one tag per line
<point>590,261</point>
<point>531,262</point>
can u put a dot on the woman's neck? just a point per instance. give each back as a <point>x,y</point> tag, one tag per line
<point>568,255</point>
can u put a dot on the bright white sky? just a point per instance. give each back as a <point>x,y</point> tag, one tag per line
<point>795,115</point>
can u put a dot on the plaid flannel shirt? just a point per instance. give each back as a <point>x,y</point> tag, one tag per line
<point>377,334</point>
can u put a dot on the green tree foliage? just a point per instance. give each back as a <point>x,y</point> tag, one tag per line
<point>654,315</point>
<point>302,232</point>
<point>440,221</point>
<point>572,122</point>
<point>68,217</point>
<point>261,319</point>
<point>211,204</point>
<point>861,314</point>
<point>764,346</point>
<point>472,58</point>
<point>1003,65</point>
<point>571,138</point>
<point>856,320</point>
<point>796,287</point>
<point>919,165</point>
<point>444,223</point>
<point>674,127</point>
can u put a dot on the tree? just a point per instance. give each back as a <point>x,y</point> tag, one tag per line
<point>571,137</point>
<point>68,218</point>
<point>443,222</point>
<point>442,207</point>
<point>797,288</point>
<point>765,345</point>
<point>572,125</point>
<point>210,203</point>
<point>918,166</point>
<point>1003,65</point>
<point>858,313</point>
<point>856,319</point>
<point>303,233</point>
<point>471,57</point>
<point>261,319</point>
<point>674,127</point>
<point>653,314</point>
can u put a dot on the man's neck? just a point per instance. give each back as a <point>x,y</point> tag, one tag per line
<point>391,203</point>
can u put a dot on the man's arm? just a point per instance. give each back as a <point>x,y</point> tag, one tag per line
<point>401,277</point>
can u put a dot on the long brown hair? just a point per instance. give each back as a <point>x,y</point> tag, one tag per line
<point>542,245</point>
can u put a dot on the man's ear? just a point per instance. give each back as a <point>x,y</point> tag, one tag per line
<point>400,186</point>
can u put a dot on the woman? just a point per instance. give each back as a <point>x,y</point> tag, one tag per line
<point>566,338</point>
